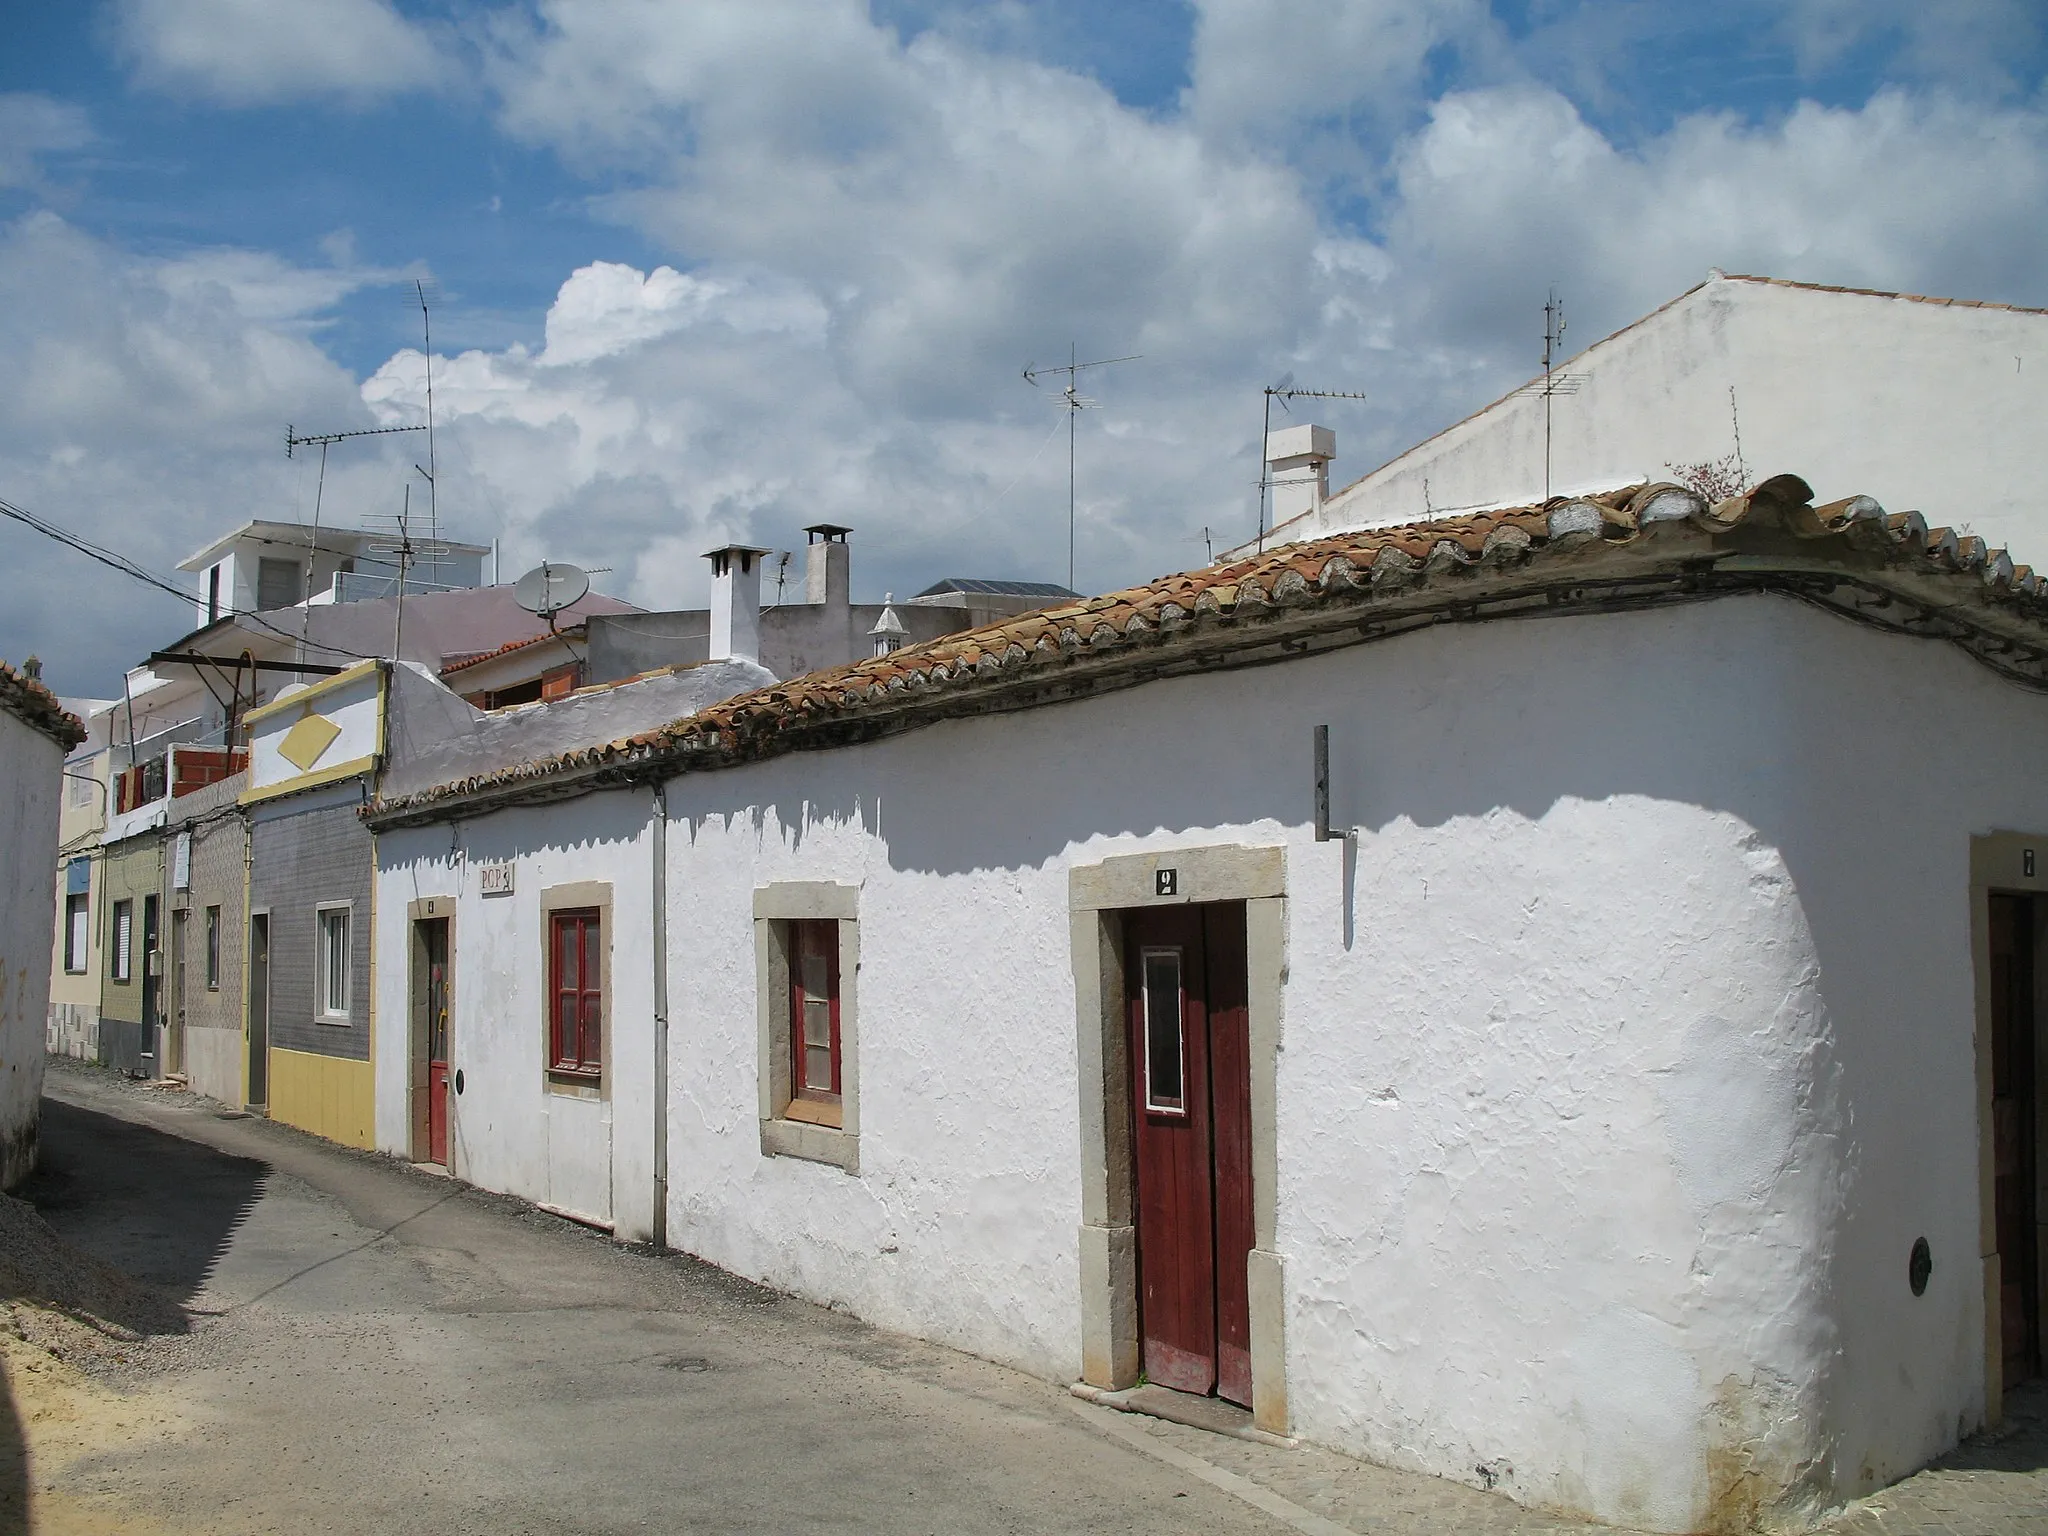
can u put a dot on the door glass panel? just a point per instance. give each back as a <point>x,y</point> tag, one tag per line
<point>815,976</point>
<point>1165,1048</point>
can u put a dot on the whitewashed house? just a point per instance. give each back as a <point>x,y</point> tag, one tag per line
<point>1591,1094</point>
<point>35,733</point>
<point>1938,400</point>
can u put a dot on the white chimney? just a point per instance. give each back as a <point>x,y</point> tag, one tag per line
<point>1298,469</point>
<point>736,603</point>
<point>828,565</point>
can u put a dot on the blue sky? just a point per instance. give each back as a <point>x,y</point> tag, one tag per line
<point>717,270</point>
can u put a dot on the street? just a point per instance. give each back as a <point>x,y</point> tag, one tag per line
<point>373,1348</point>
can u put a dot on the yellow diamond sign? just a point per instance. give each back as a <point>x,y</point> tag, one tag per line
<point>305,742</point>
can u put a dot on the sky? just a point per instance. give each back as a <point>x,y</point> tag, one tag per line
<point>704,272</point>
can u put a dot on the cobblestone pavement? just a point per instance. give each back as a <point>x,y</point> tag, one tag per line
<point>1993,1484</point>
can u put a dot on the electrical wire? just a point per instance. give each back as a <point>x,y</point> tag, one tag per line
<point>137,572</point>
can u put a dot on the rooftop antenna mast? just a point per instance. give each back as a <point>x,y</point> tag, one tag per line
<point>433,489</point>
<point>1074,403</point>
<point>1554,383</point>
<point>295,440</point>
<point>1285,391</point>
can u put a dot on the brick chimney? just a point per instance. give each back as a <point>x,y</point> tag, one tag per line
<point>736,602</point>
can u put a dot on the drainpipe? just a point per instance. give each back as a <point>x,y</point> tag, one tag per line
<point>660,844</point>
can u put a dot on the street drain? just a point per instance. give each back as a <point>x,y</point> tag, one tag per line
<point>686,1363</point>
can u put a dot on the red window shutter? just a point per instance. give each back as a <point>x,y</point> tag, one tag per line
<point>576,991</point>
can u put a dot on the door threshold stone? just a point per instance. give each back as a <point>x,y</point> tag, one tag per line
<point>1206,1413</point>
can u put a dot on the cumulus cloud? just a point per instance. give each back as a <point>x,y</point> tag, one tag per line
<point>33,127</point>
<point>144,406</point>
<point>867,233</point>
<point>253,52</point>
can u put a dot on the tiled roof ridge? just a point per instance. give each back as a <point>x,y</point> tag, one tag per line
<point>35,706</point>
<point>1882,293</point>
<point>1631,547</point>
<point>1641,320</point>
<point>477,658</point>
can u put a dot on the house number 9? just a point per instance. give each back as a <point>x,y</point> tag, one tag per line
<point>1166,882</point>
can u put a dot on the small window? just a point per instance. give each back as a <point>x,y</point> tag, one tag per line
<point>1165,1039</point>
<point>121,962</point>
<point>77,931</point>
<point>814,1056</point>
<point>279,583</point>
<point>213,949</point>
<point>332,982</point>
<point>576,992</point>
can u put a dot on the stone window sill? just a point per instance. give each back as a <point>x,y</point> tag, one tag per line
<point>812,1143</point>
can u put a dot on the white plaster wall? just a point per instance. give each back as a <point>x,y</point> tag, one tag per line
<point>1926,406</point>
<point>31,768</point>
<point>438,737</point>
<point>508,1131</point>
<point>1624,1053</point>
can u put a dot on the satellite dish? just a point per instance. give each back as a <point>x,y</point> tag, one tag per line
<point>548,588</point>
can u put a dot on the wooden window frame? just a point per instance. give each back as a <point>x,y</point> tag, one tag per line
<point>820,1105</point>
<point>585,1064</point>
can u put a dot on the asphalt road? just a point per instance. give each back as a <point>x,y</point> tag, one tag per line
<point>382,1350</point>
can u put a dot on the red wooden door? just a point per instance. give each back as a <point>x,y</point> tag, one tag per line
<point>2013,1132</point>
<point>434,943</point>
<point>1191,1112</point>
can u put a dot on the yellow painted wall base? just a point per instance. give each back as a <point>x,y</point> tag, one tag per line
<point>327,1095</point>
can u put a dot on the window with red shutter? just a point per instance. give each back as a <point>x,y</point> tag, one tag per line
<point>576,992</point>
<point>814,1019</point>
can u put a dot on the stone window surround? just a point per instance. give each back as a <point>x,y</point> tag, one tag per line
<point>554,898</point>
<point>1098,895</point>
<point>775,905</point>
<point>1997,866</point>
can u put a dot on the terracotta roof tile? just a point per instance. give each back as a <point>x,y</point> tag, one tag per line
<point>35,706</point>
<point>1628,548</point>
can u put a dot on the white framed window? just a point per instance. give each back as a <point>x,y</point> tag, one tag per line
<point>335,965</point>
<point>77,931</point>
<point>122,959</point>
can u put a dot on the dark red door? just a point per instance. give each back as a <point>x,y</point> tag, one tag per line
<point>2013,1132</point>
<point>1191,1113</point>
<point>434,978</point>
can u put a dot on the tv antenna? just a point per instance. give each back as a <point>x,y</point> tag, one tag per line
<point>427,352</point>
<point>1553,383</point>
<point>295,440</point>
<point>1285,391</point>
<point>549,588</point>
<point>1073,402</point>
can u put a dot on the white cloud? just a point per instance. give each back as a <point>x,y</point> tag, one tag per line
<point>144,406</point>
<point>1267,65</point>
<point>867,239</point>
<point>252,52</point>
<point>33,126</point>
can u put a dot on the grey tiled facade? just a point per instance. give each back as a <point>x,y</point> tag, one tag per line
<point>305,852</point>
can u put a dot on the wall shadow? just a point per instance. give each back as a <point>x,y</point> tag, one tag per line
<point>156,1207</point>
<point>13,1462</point>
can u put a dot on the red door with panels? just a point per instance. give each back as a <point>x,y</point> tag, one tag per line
<point>1190,1058</point>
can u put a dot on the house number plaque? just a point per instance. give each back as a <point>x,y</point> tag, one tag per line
<point>1165,882</point>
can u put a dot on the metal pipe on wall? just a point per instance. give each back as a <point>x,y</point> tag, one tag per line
<point>659,841</point>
